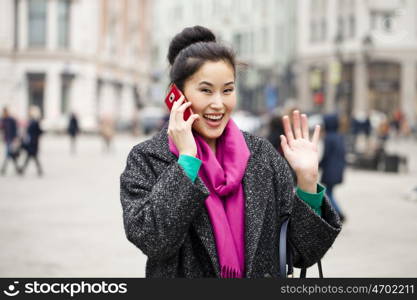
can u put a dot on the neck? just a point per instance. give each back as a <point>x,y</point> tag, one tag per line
<point>212,144</point>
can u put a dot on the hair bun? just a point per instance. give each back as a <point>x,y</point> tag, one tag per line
<point>187,37</point>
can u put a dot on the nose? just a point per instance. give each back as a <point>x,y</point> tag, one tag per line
<point>216,101</point>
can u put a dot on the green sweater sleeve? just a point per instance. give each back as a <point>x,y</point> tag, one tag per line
<point>191,165</point>
<point>313,200</point>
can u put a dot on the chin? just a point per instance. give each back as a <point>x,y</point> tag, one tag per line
<point>210,133</point>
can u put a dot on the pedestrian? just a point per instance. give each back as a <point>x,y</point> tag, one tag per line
<point>8,125</point>
<point>383,133</point>
<point>107,132</point>
<point>203,199</point>
<point>397,120</point>
<point>276,129</point>
<point>73,130</point>
<point>333,162</point>
<point>31,140</point>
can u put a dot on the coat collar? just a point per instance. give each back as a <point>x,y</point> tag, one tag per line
<point>255,202</point>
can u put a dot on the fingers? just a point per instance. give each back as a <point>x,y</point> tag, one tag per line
<point>284,144</point>
<point>287,129</point>
<point>174,109</point>
<point>179,109</point>
<point>178,103</point>
<point>191,119</point>
<point>300,125</point>
<point>316,135</point>
<point>297,125</point>
<point>304,127</point>
<point>183,107</point>
<point>177,114</point>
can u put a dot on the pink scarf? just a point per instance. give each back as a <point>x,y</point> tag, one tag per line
<point>222,174</point>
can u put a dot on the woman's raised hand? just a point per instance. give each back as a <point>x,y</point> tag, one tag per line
<point>181,131</point>
<point>301,152</point>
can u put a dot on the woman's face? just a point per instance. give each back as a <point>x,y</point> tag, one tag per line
<point>211,90</point>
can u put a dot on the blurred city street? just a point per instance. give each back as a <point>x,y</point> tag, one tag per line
<point>99,71</point>
<point>69,222</point>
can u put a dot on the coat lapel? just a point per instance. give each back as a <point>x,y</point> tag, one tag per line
<point>204,230</point>
<point>255,206</point>
<point>201,223</point>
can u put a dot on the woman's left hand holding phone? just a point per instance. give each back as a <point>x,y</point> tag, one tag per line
<point>181,131</point>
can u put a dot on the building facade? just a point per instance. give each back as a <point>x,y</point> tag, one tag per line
<point>262,33</point>
<point>357,56</point>
<point>84,56</point>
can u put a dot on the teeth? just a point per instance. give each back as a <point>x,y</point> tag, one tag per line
<point>212,117</point>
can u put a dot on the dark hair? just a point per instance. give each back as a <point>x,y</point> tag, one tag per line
<point>190,49</point>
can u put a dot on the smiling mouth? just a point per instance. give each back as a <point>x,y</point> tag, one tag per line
<point>213,117</point>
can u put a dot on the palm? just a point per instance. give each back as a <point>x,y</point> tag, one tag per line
<point>302,155</point>
<point>300,152</point>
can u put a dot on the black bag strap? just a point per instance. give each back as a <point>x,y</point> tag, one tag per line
<point>303,273</point>
<point>285,255</point>
<point>283,249</point>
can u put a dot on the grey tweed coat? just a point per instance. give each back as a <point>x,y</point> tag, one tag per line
<point>165,216</point>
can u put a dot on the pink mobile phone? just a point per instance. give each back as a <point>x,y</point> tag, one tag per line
<point>173,95</point>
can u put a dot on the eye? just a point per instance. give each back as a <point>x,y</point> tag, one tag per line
<point>206,90</point>
<point>229,90</point>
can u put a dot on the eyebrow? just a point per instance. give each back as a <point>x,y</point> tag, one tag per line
<point>210,84</point>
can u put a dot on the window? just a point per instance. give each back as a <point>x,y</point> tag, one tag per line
<point>352,26</point>
<point>36,88</point>
<point>318,24</point>
<point>323,29</point>
<point>63,23</point>
<point>16,24</point>
<point>251,45</point>
<point>66,83</point>
<point>37,23</point>
<point>279,38</point>
<point>264,40</point>
<point>237,42</point>
<point>346,22</point>
<point>383,20</point>
<point>111,37</point>
<point>373,21</point>
<point>313,31</point>
<point>387,22</point>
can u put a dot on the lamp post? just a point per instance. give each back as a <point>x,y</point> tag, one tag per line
<point>338,42</point>
<point>367,45</point>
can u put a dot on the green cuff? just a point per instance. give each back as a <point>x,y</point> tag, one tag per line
<point>313,200</point>
<point>191,165</point>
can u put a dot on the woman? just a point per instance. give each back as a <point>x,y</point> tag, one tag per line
<point>203,199</point>
<point>8,125</point>
<point>31,140</point>
<point>107,131</point>
<point>73,130</point>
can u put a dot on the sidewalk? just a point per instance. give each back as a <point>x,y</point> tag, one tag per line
<point>379,238</point>
<point>68,223</point>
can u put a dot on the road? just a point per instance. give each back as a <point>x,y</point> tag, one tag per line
<point>69,222</point>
